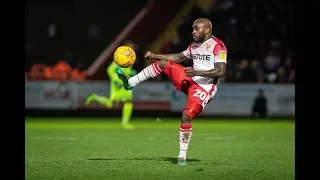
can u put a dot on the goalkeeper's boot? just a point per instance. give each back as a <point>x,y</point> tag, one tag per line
<point>89,98</point>
<point>181,161</point>
<point>127,126</point>
<point>124,78</point>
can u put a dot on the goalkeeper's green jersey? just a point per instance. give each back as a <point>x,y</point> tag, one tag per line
<point>115,82</point>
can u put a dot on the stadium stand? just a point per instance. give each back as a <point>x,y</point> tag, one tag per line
<point>260,43</point>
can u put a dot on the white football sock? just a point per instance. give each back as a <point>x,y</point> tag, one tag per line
<point>185,136</point>
<point>151,71</point>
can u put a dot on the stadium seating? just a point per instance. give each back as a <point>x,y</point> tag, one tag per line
<point>259,40</point>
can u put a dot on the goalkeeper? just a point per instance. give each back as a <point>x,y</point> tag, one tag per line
<point>117,95</point>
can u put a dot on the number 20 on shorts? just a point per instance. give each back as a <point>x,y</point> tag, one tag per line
<point>202,96</point>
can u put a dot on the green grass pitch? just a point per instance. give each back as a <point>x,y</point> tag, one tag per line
<point>97,149</point>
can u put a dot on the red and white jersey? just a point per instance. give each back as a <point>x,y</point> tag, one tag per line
<point>204,56</point>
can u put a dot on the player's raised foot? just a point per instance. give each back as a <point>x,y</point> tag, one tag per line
<point>181,161</point>
<point>124,78</point>
<point>89,98</point>
<point>127,126</point>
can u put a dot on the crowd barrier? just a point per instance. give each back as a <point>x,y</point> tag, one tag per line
<point>230,99</point>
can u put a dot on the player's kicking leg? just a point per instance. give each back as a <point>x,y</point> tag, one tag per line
<point>151,71</point>
<point>124,77</point>
<point>176,73</point>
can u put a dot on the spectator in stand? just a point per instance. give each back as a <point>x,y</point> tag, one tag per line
<point>62,71</point>
<point>261,78</point>
<point>78,72</point>
<point>282,76</point>
<point>292,76</point>
<point>48,73</point>
<point>37,72</point>
<point>244,72</point>
<point>271,61</point>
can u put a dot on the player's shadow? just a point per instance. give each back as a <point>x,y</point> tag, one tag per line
<point>169,159</point>
<point>174,160</point>
<point>117,159</point>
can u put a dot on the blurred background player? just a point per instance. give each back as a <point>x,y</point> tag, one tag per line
<point>117,95</point>
<point>199,82</point>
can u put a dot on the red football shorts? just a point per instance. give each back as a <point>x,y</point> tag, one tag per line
<point>198,98</point>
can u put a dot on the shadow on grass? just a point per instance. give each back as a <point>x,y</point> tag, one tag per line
<point>168,159</point>
<point>174,160</point>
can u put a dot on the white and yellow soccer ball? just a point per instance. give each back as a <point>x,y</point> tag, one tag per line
<point>124,56</point>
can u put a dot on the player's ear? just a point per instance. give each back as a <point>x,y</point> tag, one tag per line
<point>207,30</point>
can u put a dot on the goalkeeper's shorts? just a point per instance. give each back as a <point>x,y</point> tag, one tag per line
<point>121,96</point>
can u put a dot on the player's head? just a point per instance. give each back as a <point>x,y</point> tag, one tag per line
<point>202,30</point>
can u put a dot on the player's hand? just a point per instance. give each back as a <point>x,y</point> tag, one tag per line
<point>148,55</point>
<point>190,71</point>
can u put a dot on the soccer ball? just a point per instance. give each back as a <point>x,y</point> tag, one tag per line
<point>124,56</point>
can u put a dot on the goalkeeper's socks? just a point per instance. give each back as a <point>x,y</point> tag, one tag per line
<point>126,112</point>
<point>151,71</point>
<point>103,100</point>
<point>185,136</point>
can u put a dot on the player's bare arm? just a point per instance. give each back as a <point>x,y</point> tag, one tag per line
<point>177,58</point>
<point>218,71</point>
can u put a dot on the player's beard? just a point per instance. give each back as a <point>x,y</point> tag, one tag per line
<point>199,39</point>
<point>195,39</point>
